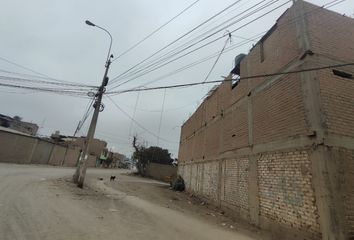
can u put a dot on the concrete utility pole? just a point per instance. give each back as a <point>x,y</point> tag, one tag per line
<point>79,176</point>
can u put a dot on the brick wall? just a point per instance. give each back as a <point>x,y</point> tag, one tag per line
<point>236,183</point>
<point>251,148</point>
<point>212,139</point>
<point>286,194</point>
<point>16,148</point>
<point>235,128</point>
<point>58,155</point>
<point>161,171</point>
<point>71,157</point>
<point>211,180</point>
<point>194,177</point>
<point>338,103</point>
<point>331,34</point>
<point>345,162</point>
<point>285,190</point>
<point>278,111</point>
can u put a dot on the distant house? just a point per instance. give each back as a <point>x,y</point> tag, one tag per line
<point>97,146</point>
<point>17,124</point>
<point>110,159</point>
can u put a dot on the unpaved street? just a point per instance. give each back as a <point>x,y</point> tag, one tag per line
<point>38,202</point>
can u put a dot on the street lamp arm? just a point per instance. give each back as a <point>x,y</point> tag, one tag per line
<point>110,45</point>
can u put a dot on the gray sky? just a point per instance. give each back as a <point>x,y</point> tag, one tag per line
<point>50,37</point>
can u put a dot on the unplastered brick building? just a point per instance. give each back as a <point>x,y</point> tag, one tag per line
<point>278,149</point>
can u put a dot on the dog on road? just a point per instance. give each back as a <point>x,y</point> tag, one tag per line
<point>112,178</point>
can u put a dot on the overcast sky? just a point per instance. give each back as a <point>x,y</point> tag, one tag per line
<point>51,38</point>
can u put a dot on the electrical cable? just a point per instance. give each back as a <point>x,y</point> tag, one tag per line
<point>8,78</point>
<point>174,41</point>
<point>85,116</point>
<point>33,71</point>
<point>243,78</point>
<point>330,4</point>
<point>198,48</point>
<point>159,110</point>
<point>134,112</point>
<point>333,3</point>
<point>53,90</point>
<point>190,65</point>
<point>172,53</point>
<point>217,59</point>
<point>160,122</point>
<point>156,30</point>
<point>137,123</point>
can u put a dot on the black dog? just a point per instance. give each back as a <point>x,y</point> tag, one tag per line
<point>112,178</point>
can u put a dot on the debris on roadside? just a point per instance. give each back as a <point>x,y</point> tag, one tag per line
<point>178,184</point>
<point>211,214</point>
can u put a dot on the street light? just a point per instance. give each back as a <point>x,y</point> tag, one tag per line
<point>89,23</point>
<point>110,45</point>
<point>80,173</point>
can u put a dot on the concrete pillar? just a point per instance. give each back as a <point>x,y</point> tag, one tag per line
<point>63,160</point>
<point>30,160</point>
<point>253,190</point>
<point>221,181</point>
<point>323,164</point>
<point>250,121</point>
<point>301,26</point>
<point>325,182</point>
<point>312,102</point>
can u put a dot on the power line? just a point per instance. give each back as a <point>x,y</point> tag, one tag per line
<point>36,85</point>
<point>190,65</point>
<point>51,90</point>
<point>192,37</point>
<point>135,108</point>
<point>156,30</point>
<point>243,78</point>
<point>200,47</point>
<point>176,40</point>
<point>160,123</point>
<point>217,59</point>
<point>85,116</point>
<point>164,57</point>
<point>33,71</point>
<point>159,110</point>
<point>328,5</point>
<point>8,78</point>
<point>137,123</point>
<point>172,53</point>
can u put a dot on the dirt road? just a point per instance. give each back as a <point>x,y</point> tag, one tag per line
<point>39,202</point>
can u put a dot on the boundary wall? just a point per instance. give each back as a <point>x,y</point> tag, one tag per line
<point>25,149</point>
